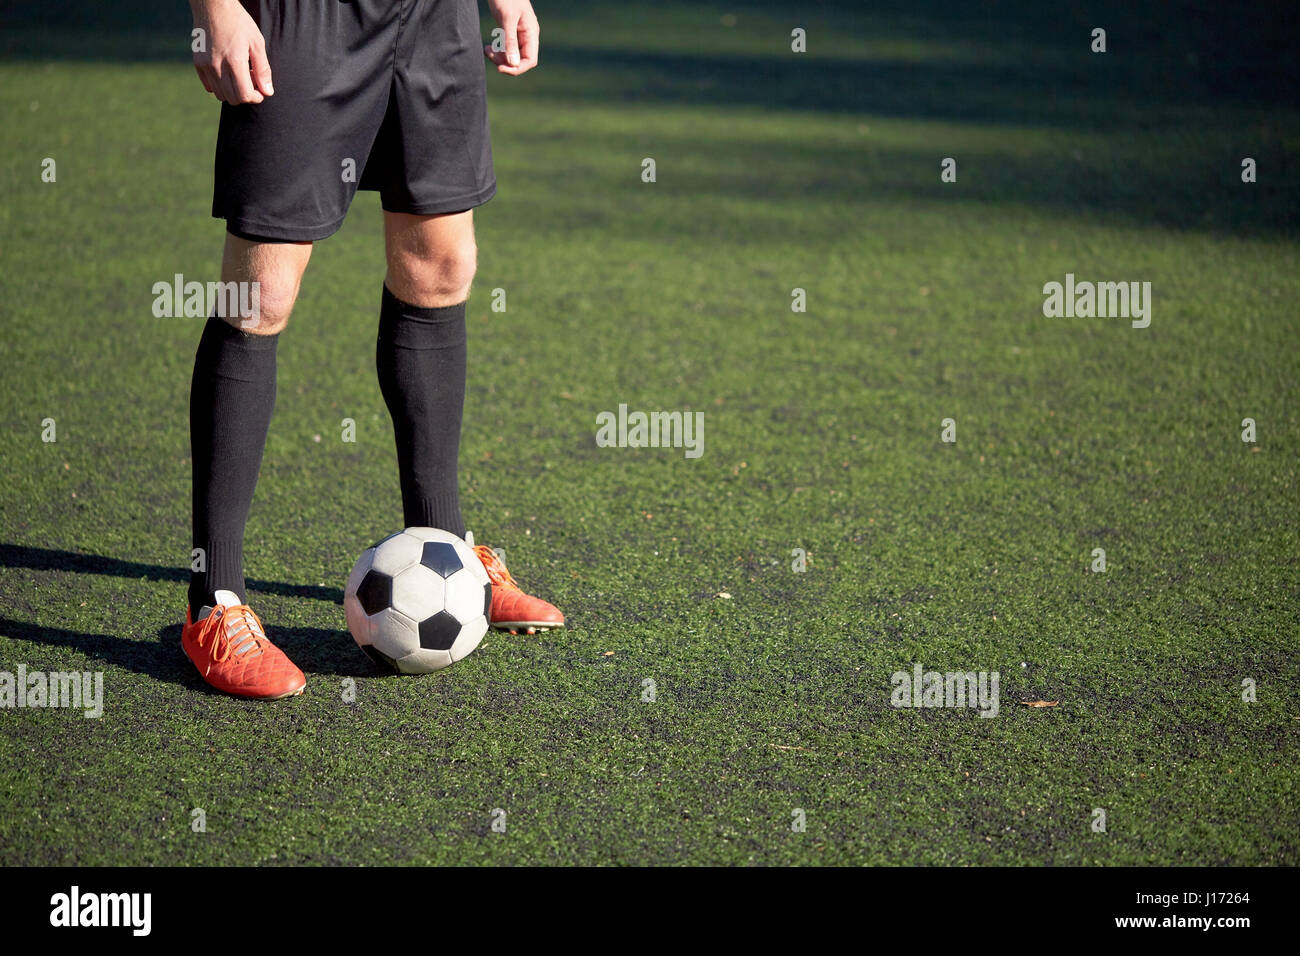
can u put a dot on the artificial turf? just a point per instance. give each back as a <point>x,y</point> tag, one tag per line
<point>774,171</point>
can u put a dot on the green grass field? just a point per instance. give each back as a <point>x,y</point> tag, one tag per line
<point>775,171</point>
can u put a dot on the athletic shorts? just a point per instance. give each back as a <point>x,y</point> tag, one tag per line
<point>384,95</point>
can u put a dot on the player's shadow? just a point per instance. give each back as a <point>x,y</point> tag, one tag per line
<point>318,651</point>
<point>165,661</point>
<point>46,559</point>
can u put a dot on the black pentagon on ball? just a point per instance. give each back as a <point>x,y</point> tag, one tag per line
<point>375,592</point>
<point>379,657</point>
<point>440,558</point>
<point>439,632</point>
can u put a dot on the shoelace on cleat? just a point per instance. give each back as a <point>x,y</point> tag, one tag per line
<point>496,568</point>
<point>241,629</point>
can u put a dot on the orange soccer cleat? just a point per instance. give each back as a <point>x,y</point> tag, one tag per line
<point>231,651</point>
<point>512,609</point>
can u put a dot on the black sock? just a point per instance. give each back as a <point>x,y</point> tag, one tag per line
<point>420,356</point>
<point>232,395</point>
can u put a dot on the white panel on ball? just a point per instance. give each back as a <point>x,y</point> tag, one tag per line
<point>417,592</point>
<point>424,660</point>
<point>475,567</point>
<point>471,633</point>
<point>358,621</point>
<point>393,633</point>
<point>359,571</point>
<point>464,600</point>
<point>397,553</point>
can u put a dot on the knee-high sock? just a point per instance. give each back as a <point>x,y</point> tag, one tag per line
<point>420,356</point>
<point>232,396</point>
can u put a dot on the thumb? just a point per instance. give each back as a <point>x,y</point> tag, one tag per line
<point>260,69</point>
<point>512,42</point>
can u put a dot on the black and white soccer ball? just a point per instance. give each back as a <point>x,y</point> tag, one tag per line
<point>418,600</point>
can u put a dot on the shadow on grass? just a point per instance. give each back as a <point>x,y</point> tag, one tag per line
<point>1214,82</point>
<point>1071,92</point>
<point>998,60</point>
<point>45,559</point>
<point>164,661</point>
<point>316,650</point>
<point>1197,188</point>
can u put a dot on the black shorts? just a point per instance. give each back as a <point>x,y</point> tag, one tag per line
<point>385,95</point>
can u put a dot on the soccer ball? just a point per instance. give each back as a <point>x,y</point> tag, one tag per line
<point>418,600</point>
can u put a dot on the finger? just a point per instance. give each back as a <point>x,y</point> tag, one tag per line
<point>204,73</point>
<point>223,87</point>
<point>498,57</point>
<point>530,36</point>
<point>260,68</point>
<point>512,42</point>
<point>243,83</point>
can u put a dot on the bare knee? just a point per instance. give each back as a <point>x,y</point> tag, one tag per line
<point>274,297</point>
<point>433,274</point>
<point>270,275</point>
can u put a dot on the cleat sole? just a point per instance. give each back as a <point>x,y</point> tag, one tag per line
<point>514,627</point>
